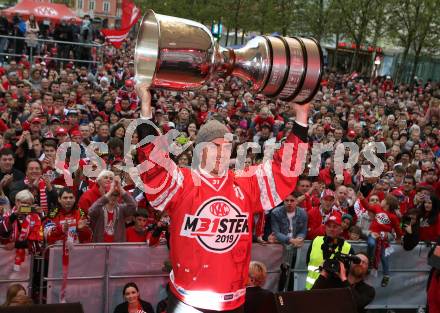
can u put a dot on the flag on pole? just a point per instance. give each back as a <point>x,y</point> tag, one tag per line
<point>130,15</point>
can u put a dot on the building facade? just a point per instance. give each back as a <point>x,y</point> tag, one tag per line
<point>110,10</point>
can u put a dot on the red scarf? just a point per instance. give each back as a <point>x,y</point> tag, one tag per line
<point>42,190</point>
<point>381,244</point>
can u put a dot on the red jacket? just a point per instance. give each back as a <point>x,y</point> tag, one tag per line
<point>384,221</point>
<point>53,229</point>
<point>316,221</point>
<point>429,232</point>
<point>132,96</point>
<point>30,229</point>
<point>211,229</point>
<point>88,198</point>
<point>131,235</point>
<point>407,201</point>
<point>325,177</point>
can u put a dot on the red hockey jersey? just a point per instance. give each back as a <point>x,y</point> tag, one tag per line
<point>211,220</point>
<point>53,229</point>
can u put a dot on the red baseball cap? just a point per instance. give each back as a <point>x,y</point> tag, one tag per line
<point>36,120</point>
<point>351,133</point>
<point>129,83</point>
<point>335,218</point>
<point>75,133</point>
<point>328,193</point>
<point>61,131</point>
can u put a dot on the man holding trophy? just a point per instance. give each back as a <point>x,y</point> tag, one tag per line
<point>210,206</point>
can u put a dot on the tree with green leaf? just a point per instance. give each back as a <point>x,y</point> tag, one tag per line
<point>355,18</point>
<point>414,24</point>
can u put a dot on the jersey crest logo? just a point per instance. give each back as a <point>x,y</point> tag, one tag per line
<point>217,225</point>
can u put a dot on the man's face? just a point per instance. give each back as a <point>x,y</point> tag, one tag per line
<point>407,185</point>
<point>360,270</point>
<point>342,193</point>
<point>73,119</point>
<point>327,203</point>
<point>33,171</point>
<point>398,178</point>
<point>67,201</point>
<point>212,160</point>
<point>35,127</point>
<point>125,104</point>
<point>140,222</point>
<point>55,88</point>
<point>303,186</point>
<point>333,230</point>
<point>290,203</point>
<point>430,177</point>
<point>6,163</point>
<point>48,100</point>
<point>85,131</point>
<point>338,134</point>
<point>36,144</point>
<point>50,152</point>
<point>103,131</point>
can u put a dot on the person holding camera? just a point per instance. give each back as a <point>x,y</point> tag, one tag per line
<point>326,248</point>
<point>107,215</point>
<point>353,278</point>
<point>411,229</point>
<point>25,227</point>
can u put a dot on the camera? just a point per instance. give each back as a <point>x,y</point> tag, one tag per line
<point>332,256</point>
<point>406,220</point>
<point>27,209</point>
<point>332,265</point>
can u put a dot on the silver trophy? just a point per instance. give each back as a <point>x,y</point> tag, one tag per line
<point>180,54</point>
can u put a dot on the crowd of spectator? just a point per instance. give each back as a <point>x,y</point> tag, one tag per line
<point>28,37</point>
<point>48,103</point>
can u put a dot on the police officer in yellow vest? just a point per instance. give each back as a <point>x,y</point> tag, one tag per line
<point>315,254</point>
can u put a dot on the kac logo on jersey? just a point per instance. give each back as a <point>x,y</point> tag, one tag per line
<point>383,219</point>
<point>217,225</point>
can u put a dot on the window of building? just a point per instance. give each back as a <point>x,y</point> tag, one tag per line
<point>80,4</point>
<point>91,5</point>
<point>106,6</point>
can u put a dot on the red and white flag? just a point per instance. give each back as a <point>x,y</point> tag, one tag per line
<point>130,15</point>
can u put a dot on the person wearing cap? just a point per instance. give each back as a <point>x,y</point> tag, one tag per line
<point>73,119</point>
<point>35,126</point>
<point>331,241</point>
<point>320,214</point>
<point>209,189</point>
<point>127,92</point>
<point>62,135</point>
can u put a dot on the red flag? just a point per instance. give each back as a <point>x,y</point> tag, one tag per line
<point>130,16</point>
<point>116,36</point>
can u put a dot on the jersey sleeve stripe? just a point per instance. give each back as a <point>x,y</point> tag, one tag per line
<point>264,197</point>
<point>267,168</point>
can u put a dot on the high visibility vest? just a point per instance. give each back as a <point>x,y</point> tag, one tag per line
<point>317,258</point>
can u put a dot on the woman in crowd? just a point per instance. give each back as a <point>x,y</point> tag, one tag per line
<point>15,290</point>
<point>133,303</point>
